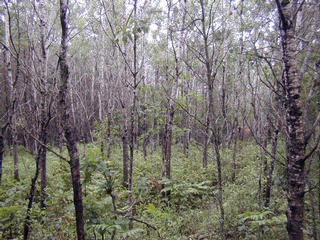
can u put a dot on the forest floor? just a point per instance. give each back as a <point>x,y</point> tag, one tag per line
<point>184,207</point>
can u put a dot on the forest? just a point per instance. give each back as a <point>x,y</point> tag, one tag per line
<point>160,119</point>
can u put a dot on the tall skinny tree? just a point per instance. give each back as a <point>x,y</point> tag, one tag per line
<point>66,123</point>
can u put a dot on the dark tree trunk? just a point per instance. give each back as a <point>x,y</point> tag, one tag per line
<point>167,142</point>
<point>43,162</point>
<point>206,142</point>
<point>27,223</point>
<point>145,133</point>
<point>64,108</point>
<point>15,149</point>
<point>109,136</point>
<point>271,167</point>
<point>125,153</point>
<point>220,190</point>
<point>234,151</point>
<point>295,142</point>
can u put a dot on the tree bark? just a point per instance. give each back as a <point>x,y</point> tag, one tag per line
<point>207,137</point>
<point>271,167</point>
<point>15,147</point>
<point>167,142</point>
<point>234,151</point>
<point>125,153</point>
<point>109,135</point>
<point>220,190</point>
<point>10,99</point>
<point>295,143</point>
<point>64,108</point>
<point>44,111</point>
<point>27,223</point>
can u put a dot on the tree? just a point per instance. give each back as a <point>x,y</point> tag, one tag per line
<point>297,138</point>
<point>66,124</point>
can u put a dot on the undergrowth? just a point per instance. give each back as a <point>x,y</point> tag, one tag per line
<point>185,208</point>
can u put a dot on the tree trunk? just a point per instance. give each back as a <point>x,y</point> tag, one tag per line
<point>109,136</point>
<point>15,148</point>
<point>271,167</point>
<point>44,112</point>
<point>206,142</point>
<point>295,142</point>
<point>125,153</point>
<point>234,152</point>
<point>220,191</point>
<point>10,90</point>
<point>167,141</point>
<point>43,163</point>
<point>27,223</point>
<point>64,108</point>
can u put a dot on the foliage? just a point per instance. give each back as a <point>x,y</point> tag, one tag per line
<point>185,208</point>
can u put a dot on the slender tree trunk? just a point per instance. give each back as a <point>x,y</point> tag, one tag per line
<point>167,142</point>
<point>224,107</point>
<point>271,167</point>
<point>64,108</point>
<point>295,142</point>
<point>27,224</point>
<point>14,102</point>
<point>15,148</point>
<point>132,117</point>
<point>125,153</point>
<point>206,142</point>
<point>234,152</point>
<point>109,135</point>
<point>146,134</point>
<point>44,112</point>
<point>220,190</point>
<point>43,160</point>
<point>261,165</point>
<point>10,90</point>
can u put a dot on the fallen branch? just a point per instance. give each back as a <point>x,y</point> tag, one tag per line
<point>147,224</point>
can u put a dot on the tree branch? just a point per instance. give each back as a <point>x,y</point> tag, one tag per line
<point>44,145</point>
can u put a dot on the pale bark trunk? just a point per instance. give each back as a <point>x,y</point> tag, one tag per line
<point>11,91</point>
